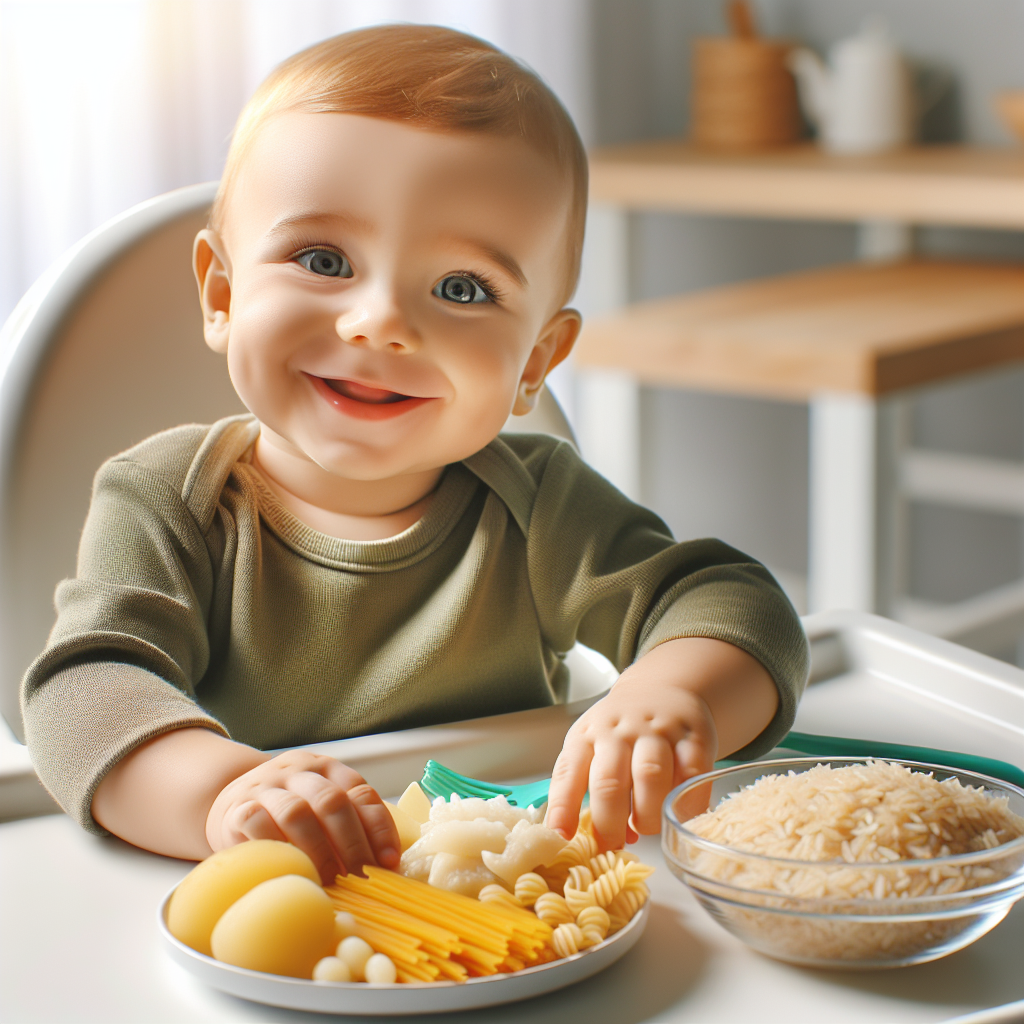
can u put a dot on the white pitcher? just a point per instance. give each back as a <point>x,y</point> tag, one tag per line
<point>862,102</point>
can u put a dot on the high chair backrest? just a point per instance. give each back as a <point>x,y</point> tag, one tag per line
<point>104,350</point>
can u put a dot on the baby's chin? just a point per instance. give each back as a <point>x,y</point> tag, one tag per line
<point>371,456</point>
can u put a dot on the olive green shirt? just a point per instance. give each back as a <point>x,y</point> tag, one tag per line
<point>201,601</point>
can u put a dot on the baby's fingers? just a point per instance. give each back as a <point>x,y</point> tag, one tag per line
<point>694,756</point>
<point>250,821</point>
<point>301,827</point>
<point>568,787</point>
<point>652,768</point>
<point>334,817</point>
<point>378,825</point>
<point>610,792</point>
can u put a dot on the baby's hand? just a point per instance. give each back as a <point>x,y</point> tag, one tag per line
<point>312,801</point>
<point>649,734</point>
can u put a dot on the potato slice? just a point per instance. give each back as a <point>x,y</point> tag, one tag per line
<point>415,803</point>
<point>284,926</point>
<point>408,827</point>
<point>224,877</point>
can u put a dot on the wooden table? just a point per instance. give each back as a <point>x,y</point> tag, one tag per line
<point>804,338</point>
<point>923,185</point>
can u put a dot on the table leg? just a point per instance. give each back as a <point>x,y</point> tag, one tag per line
<point>857,513</point>
<point>608,402</point>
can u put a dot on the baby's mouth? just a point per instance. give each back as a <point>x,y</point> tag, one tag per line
<point>364,393</point>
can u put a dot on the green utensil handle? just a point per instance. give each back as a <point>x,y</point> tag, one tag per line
<point>833,746</point>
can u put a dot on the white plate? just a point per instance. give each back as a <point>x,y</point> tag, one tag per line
<point>380,1000</point>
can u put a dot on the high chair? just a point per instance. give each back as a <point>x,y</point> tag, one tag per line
<point>104,350</point>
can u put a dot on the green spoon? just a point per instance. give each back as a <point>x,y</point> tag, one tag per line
<point>440,781</point>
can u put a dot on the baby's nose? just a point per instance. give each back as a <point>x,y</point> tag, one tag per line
<point>379,323</point>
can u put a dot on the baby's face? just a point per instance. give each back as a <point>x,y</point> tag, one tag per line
<point>391,289</point>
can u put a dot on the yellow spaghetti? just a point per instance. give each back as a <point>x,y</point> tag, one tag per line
<point>434,935</point>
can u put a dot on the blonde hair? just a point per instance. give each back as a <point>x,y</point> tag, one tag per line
<point>427,77</point>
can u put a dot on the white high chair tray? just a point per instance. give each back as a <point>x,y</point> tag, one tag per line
<point>79,940</point>
<point>405,999</point>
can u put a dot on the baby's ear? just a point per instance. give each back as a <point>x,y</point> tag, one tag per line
<point>210,263</point>
<point>554,343</point>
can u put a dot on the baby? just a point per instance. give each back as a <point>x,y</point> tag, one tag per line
<point>398,229</point>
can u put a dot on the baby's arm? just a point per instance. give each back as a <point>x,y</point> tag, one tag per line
<point>191,791</point>
<point>669,717</point>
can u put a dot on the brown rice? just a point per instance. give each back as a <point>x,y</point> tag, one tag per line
<point>855,828</point>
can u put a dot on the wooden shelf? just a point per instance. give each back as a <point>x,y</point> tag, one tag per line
<point>867,328</point>
<point>920,185</point>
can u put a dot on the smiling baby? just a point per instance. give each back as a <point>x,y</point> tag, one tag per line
<point>386,270</point>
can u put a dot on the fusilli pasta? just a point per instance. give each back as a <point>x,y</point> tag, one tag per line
<point>529,887</point>
<point>568,939</point>
<point>553,910</point>
<point>499,895</point>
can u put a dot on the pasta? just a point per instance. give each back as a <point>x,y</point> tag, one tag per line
<point>578,850</point>
<point>607,886</point>
<point>577,899</point>
<point>499,896</point>
<point>553,910</point>
<point>567,939</point>
<point>509,861</point>
<point>529,887</point>
<point>608,861</point>
<point>581,877</point>
<point>438,934</point>
<point>594,923</point>
<point>626,904</point>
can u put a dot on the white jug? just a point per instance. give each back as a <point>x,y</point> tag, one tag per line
<point>862,103</point>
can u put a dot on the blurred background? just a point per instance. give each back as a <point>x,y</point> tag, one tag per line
<point>105,104</point>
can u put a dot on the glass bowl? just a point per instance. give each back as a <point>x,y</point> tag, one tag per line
<point>829,930</point>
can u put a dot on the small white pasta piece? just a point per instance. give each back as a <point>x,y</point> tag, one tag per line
<point>580,877</point>
<point>577,899</point>
<point>331,968</point>
<point>499,895</point>
<point>529,887</point>
<point>380,970</point>
<point>553,910</point>
<point>567,939</point>
<point>356,952</point>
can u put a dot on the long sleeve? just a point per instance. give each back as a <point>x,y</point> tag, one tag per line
<point>607,572</point>
<point>130,643</point>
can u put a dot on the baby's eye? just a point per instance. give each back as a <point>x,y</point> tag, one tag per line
<point>325,262</point>
<point>461,289</point>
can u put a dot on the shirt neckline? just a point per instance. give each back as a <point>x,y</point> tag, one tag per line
<point>453,495</point>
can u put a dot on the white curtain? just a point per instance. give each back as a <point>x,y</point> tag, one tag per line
<point>105,103</point>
